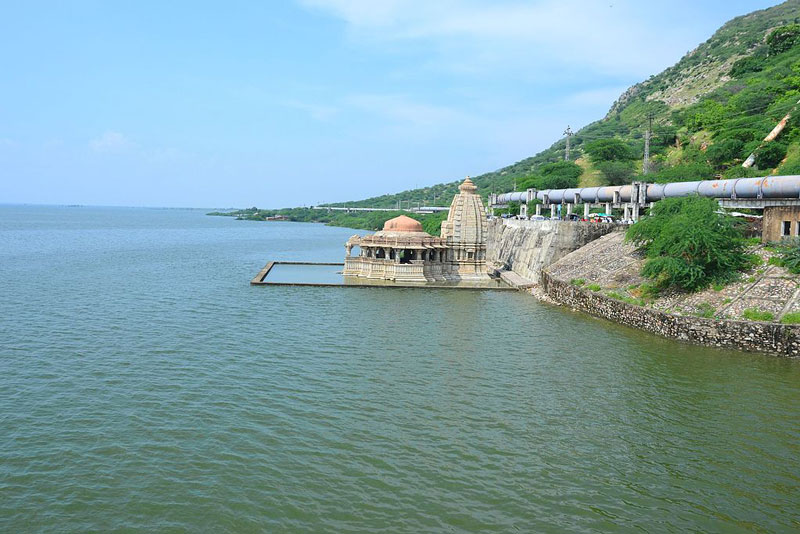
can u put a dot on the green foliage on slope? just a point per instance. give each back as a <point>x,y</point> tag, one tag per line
<point>372,220</point>
<point>688,244</point>
<point>710,111</point>
<point>558,175</point>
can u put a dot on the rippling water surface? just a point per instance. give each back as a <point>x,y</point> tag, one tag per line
<point>145,386</point>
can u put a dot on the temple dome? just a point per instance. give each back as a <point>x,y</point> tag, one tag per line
<point>468,187</point>
<point>402,224</point>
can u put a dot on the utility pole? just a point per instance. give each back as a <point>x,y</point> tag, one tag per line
<point>569,133</point>
<point>647,134</point>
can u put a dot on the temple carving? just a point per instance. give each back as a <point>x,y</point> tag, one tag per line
<point>404,252</point>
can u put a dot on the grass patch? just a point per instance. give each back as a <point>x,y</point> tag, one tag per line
<point>753,260</point>
<point>791,318</point>
<point>705,310</point>
<point>577,282</point>
<point>625,298</point>
<point>594,287</point>
<point>754,314</point>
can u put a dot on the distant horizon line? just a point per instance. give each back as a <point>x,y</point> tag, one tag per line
<point>65,205</point>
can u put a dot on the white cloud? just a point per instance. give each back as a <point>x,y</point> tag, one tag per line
<point>110,141</point>
<point>528,35</point>
<point>402,109</point>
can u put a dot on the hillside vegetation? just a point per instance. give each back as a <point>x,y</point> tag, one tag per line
<point>709,112</point>
<point>373,220</point>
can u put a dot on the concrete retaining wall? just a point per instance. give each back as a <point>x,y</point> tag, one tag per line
<point>743,335</point>
<point>527,247</point>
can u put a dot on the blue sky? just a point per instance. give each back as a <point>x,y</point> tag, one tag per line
<point>274,104</point>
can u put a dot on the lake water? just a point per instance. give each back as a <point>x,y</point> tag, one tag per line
<point>146,386</point>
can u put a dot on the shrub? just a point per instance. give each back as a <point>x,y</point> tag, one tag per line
<point>562,168</point>
<point>788,257</point>
<point>754,314</point>
<point>754,63</point>
<point>744,135</point>
<point>791,318</point>
<point>625,298</point>
<point>609,150</point>
<point>687,172</point>
<point>725,151</point>
<point>616,172</point>
<point>688,244</point>
<point>770,156</point>
<point>782,39</point>
<point>558,175</point>
<point>737,171</point>
<point>705,310</point>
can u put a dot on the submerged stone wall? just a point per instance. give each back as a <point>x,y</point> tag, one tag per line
<point>527,247</point>
<point>744,335</point>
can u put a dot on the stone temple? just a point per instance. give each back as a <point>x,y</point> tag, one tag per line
<point>404,252</point>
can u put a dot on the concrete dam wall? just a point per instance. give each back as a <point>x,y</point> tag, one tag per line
<point>527,247</point>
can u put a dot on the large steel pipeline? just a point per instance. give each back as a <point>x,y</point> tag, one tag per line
<point>734,188</point>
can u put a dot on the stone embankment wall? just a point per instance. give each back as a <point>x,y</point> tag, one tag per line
<point>527,247</point>
<point>603,278</point>
<point>744,335</point>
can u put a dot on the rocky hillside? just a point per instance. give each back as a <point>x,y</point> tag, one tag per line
<point>710,111</point>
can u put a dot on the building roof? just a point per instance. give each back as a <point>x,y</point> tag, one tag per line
<point>402,224</point>
<point>468,187</point>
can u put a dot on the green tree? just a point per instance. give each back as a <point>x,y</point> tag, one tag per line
<point>688,244</point>
<point>770,155</point>
<point>558,175</point>
<point>782,39</point>
<point>565,169</point>
<point>616,172</point>
<point>725,151</point>
<point>609,150</point>
<point>754,63</point>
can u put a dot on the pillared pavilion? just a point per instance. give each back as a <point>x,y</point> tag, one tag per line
<point>404,252</point>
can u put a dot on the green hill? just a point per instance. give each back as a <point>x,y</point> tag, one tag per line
<point>709,112</point>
